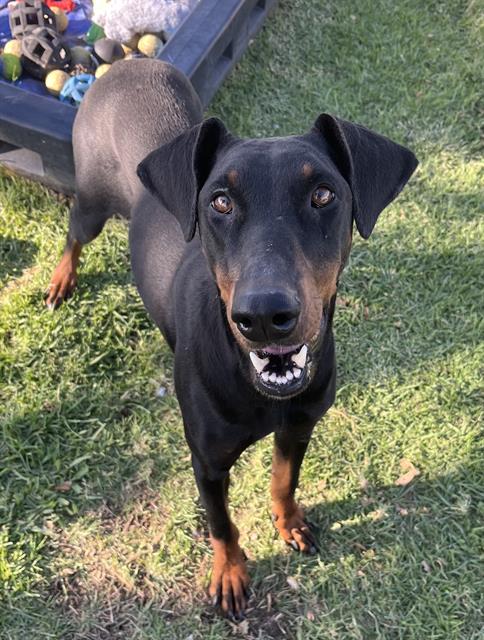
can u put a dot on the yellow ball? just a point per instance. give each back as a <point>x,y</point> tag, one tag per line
<point>13,47</point>
<point>61,20</point>
<point>149,45</point>
<point>55,80</point>
<point>102,69</point>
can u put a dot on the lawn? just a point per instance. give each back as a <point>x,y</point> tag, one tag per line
<point>101,534</point>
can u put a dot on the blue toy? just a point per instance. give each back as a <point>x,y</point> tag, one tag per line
<point>74,89</point>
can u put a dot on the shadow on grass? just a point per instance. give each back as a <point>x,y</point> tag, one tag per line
<point>91,442</point>
<point>95,281</point>
<point>389,557</point>
<point>384,555</point>
<point>399,309</point>
<point>15,256</point>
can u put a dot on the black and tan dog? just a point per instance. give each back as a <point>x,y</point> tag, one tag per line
<point>237,247</point>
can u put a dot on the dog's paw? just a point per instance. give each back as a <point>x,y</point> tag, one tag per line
<point>296,531</point>
<point>61,286</point>
<point>229,585</point>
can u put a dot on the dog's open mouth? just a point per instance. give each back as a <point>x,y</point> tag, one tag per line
<point>281,371</point>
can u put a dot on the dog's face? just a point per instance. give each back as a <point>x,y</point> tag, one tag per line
<point>275,219</point>
<point>275,223</point>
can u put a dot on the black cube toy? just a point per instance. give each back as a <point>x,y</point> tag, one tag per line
<point>28,15</point>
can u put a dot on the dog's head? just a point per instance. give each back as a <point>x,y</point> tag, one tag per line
<point>275,218</point>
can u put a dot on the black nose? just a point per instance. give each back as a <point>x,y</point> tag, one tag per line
<point>263,317</point>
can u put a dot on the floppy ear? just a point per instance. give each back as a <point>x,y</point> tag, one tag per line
<point>175,172</point>
<point>375,168</point>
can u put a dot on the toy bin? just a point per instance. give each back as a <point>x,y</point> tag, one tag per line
<point>36,128</point>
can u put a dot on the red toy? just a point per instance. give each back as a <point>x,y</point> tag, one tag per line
<point>65,5</point>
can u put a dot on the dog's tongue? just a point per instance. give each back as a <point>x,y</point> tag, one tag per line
<point>280,350</point>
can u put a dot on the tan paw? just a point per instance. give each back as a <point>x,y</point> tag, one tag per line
<point>294,530</point>
<point>230,581</point>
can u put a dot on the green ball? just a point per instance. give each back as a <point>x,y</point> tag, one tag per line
<point>95,33</point>
<point>12,67</point>
<point>79,55</point>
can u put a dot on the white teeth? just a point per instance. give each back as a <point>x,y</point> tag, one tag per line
<point>259,363</point>
<point>299,359</point>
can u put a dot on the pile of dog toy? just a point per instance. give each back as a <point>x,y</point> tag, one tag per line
<point>44,50</point>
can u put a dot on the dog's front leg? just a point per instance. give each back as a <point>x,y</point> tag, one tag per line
<point>230,580</point>
<point>288,454</point>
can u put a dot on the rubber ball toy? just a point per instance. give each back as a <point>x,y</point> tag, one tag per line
<point>61,20</point>
<point>108,50</point>
<point>55,80</point>
<point>150,45</point>
<point>14,47</point>
<point>75,89</point>
<point>65,5</point>
<point>11,67</point>
<point>102,69</point>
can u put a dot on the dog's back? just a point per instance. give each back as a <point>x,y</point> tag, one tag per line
<point>135,108</point>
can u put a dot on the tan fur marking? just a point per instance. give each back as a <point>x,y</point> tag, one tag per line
<point>229,574</point>
<point>307,170</point>
<point>232,177</point>
<point>64,278</point>
<point>317,287</point>
<point>226,285</point>
<point>288,516</point>
<point>281,483</point>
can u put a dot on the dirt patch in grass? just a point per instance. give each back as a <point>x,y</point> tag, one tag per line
<point>109,576</point>
<point>105,568</point>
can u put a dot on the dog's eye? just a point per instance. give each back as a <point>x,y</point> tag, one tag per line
<point>321,197</point>
<point>222,203</point>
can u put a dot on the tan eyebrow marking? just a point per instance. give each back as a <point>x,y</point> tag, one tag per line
<point>232,177</point>
<point>307,170</point>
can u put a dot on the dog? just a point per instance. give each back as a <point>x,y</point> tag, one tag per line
<point>237,247</point>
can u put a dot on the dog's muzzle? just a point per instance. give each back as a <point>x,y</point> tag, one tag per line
<point>280,371</point>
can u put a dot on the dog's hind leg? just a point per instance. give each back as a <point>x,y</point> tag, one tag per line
<point>85,223</point>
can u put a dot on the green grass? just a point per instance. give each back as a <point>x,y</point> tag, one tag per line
<point>101,535</point>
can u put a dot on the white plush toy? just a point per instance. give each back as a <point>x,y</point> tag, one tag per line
<point>123,19</point>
